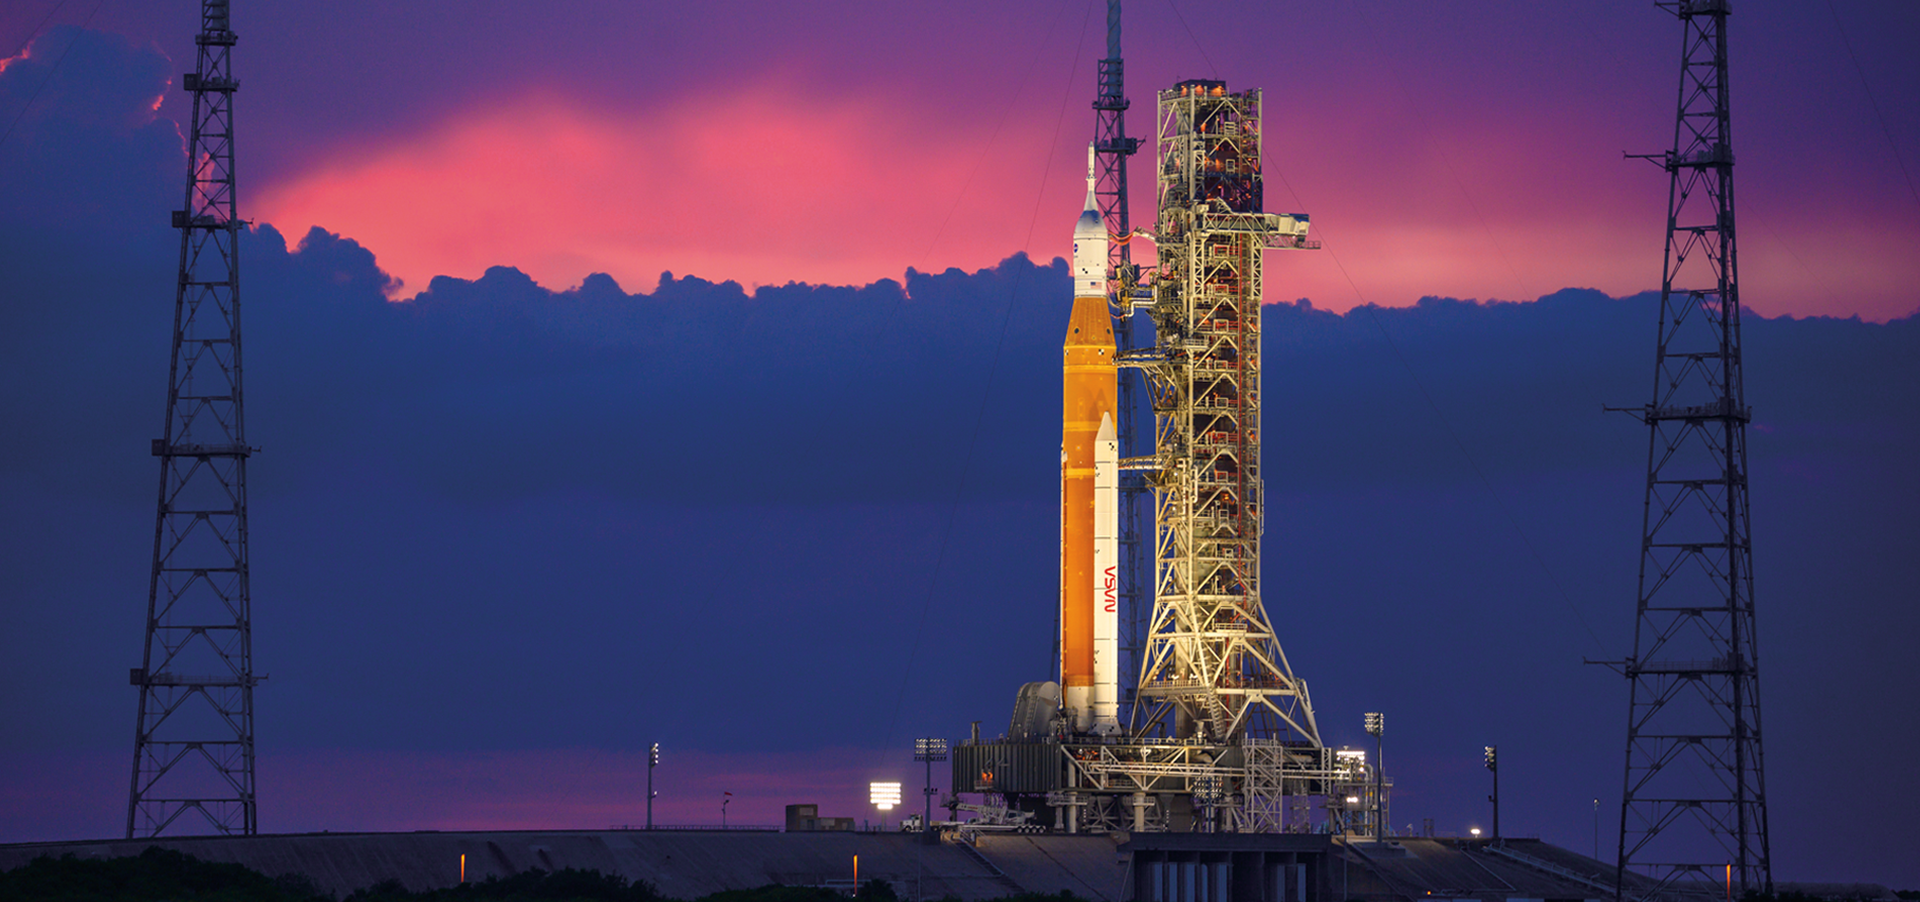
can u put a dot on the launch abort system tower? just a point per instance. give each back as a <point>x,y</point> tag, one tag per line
<point>1694,811</point>
<point>193,742</point>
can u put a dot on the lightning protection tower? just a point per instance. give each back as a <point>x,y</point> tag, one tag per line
<point>1694,810</point>
<point>193,748</point>
<point>1112,147</point>
<point>1212,663</point>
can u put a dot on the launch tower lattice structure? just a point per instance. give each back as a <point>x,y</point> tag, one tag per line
<point>1244,754</point>
<point>1212,662</point>
<point>1112,148</point>
<point>193,743</point>
<point>1694,810</point>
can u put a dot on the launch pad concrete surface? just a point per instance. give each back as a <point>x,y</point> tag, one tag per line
<point>689,864</point>
<point>680,864</point>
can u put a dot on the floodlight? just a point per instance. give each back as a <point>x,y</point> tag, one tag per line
<point>884,795</point>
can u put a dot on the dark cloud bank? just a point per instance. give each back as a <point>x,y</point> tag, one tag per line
<point>496,516</point>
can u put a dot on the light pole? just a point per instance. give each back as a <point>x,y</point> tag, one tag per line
<point>929,751</point>
<point>1377,725</point>
<point>653,761</point>
<point>1493,765</point>
<point>926,750</point>
<point>1596,829</point>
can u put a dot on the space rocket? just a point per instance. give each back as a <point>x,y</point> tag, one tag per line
<point>1090,489</point>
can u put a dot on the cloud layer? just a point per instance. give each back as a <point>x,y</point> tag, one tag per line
<point>763,185</point>
<point>1463,151</point>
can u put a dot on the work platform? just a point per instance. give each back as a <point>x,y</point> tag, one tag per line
<point>1091,784</point>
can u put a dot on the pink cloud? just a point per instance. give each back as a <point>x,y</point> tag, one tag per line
<point>1514,209</point>
<point>759,186</point>
<point>766,184</point>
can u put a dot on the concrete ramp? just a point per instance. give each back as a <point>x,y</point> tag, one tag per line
<point>681,864</point>
<point>1090,867</point>
<point>690,864</point>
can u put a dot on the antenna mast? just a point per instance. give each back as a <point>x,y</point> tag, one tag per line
<point>1694,811</point>
<point>193,743</point>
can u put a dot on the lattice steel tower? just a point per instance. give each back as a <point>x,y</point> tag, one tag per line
<point>1212,660</point>
<point>193,744</point>
<point>1694,811</point>
<point>1112,147</point>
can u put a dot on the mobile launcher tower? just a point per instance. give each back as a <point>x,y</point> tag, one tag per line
<point>1221,736</point>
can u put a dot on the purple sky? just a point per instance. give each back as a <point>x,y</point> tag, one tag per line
<point>506,534</point>
<point>1468,150</point>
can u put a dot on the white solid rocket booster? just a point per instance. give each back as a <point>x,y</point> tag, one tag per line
<point>1106,568</point>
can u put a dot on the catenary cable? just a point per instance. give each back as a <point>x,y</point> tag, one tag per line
<point>1420,386</point>
<point>1868,88</point>
<point>986,147</point>
<point>1447,425</point>
<point>986,396</point>
<point>1195,39</point>
<point>51,71</point>
<point>37,29</point>
<point>1446,159</point>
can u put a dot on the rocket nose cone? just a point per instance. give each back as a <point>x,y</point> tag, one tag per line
<point>1090,211</point>
<point>1106,433</point>
<point>1089,226</point>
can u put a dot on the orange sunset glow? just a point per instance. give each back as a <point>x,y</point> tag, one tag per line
<point>754,187</point>
<point>765,187</point>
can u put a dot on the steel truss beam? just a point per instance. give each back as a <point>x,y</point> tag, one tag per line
<point>1256,786</point>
